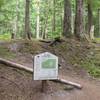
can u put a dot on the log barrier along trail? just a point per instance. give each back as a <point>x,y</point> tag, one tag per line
<point>30,70</point>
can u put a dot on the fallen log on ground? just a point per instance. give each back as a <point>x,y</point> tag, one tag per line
<point>46,41</point>
<point>30,70</point>
<point>54,41</point>
<point>15,65</point>
<point>68,82</point>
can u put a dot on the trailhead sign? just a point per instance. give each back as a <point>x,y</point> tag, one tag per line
<point>45,66</point>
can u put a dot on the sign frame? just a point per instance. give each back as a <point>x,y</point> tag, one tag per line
<point>47,72</point>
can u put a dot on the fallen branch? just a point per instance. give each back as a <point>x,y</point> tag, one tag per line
<point>30,70</point>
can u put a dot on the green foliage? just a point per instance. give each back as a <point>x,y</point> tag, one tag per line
<point>5,36</point>
<point>2,3</point>
<point>54,34</point>
<point>97,40</point>
<point>82,56</point>
<point>8,14</point>
<point>91,66</point>
<point>92,61</point>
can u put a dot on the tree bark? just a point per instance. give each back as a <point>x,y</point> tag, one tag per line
<point>99,20</point>
<point>90,16</point>
<point>38,20</point>
<point>54,19</point>
<point>45,22</point>
<point>67,18</point>
<point>79,20</point>
<point>45,28</point>
<point>15,23</point>
<point>27,20</point>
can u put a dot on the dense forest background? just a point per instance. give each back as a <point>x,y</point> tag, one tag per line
<point>43,19</point>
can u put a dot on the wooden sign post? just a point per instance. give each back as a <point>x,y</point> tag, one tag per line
<point>44,86</point>
<point>45,68</point>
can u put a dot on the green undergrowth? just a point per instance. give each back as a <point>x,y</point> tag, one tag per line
<point>5,37</point>
<point>96,40</point>
<point>92,65</point>
<point>92,69</point>
<point>81,55</point>
<point>89,61</point>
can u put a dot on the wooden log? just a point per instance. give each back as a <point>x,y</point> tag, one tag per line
<point>30,70</point>
<point>15,65</point>
<point>56,41</point>
<point>44,86</point>
<point>46,41</point>
<point>68,82</point>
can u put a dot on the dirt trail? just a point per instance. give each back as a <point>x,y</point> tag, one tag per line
<point>90,91</point>
<point>18,85</point>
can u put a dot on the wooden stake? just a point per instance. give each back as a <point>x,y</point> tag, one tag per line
<point>44,86</point>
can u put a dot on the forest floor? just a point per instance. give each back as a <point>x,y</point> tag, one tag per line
<point>79,62</point>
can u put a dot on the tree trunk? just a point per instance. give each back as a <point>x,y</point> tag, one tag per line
<point>61,18</point>
<point>99,20</point>
<point>79,20</point>
<point>67,18</point>
<point>54,19</point>
<point>17,14</point>
<point>45,22</point>
<point>38,20</point>
<point>27,20</point>
<point>45,28</point>
<point>90,16</point>
<point>15,23</point>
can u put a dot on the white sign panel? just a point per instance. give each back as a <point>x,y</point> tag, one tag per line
<point>45,66</point>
